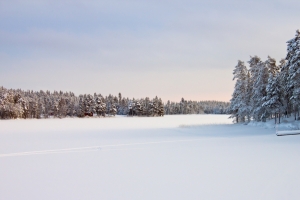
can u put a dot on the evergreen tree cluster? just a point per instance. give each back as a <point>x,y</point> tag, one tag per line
<point>268,90</point>
<point>146,107</point>
<point>29,104</point>
<point>196,107</point>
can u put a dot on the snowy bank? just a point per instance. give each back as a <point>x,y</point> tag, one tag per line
<point>285,124</point>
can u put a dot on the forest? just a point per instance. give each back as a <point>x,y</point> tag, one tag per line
<point>267,90</point>
<point>196,107</point>
<point>29,104</point>
<point>45,104</point>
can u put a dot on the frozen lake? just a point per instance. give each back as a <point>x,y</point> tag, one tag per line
<point>171,157</point>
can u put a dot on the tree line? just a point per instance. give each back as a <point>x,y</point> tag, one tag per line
<point>45,104</point>
<point>196,107</point>
<point>267,90</point>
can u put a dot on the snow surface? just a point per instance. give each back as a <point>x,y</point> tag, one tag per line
<point>285,124</point>
<point>171,157</point>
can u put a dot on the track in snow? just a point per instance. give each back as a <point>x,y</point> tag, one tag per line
<point>86,149</point>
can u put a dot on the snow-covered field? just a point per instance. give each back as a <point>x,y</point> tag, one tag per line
<point>171,157</point>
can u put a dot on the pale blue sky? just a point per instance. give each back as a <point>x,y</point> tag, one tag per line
<point>172,49</point>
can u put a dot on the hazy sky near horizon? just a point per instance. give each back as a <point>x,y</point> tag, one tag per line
<point>140,48</point>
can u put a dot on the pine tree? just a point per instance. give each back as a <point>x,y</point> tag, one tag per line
<point>259,93</point>
<point>293,64</point>
<point>273,101</point>
<point>100,107</point>
<point>248,97</point>
<point>272,67</point>
<point>254,73</point>
<point>113,110</point>
<point>274,98</point>
<point>238,101</point>
<point>161,110</point>
<point>284,82</point>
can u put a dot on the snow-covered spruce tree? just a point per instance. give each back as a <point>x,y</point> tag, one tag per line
<point>146,106</point>
<point>100,107</point>
<point>24,107</point>
<point>238,101</point>
<point>71,105</point>
<point>86,105</point>
<point>137,108</point>
<point>81,107</point>
<point>10,105</point>
<point>272,67</point>
<point>273,101</point>
<point>62,107</point>
<point>47,106</point>
<point>284,82</point>
<point>119,98</point>
<point>2,102</point>
<point>113,110</point>
<point>16,108</point>
<point>182,106</point>
<point>168,107</point>
<point>260,113</point>
<point>33,105</point>
<point>248,96</point>
<point>108,101</point>
<point>161,110</point>
<point>111,104</point>
<point>254,72</point>
<point>123,107</point>
<point>152,108</point>
<point>55,107</point>
<point>293,64</point>
<point>40,109</point>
